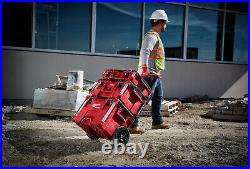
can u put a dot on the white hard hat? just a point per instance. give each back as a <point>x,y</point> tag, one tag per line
<point>159,15</point>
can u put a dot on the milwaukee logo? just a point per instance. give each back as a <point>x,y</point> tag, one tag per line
<point>97,106</point>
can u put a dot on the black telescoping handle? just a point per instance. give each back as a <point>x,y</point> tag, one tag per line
<point>151,94</point>
<point>144,82</point>
<point>149,98</point>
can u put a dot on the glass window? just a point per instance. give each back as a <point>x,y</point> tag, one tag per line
<point>172,37</point>
<point>118,28</point>
<point>236,38</point>
<point>46,18</point>
<point>63,26</point>
<point>204,34</point>
<point>236,6</point>
<point>17,24</point>
<point>208,4</point>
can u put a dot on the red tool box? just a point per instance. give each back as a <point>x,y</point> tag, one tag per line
<point>128,93</point>
<point>113,104</point>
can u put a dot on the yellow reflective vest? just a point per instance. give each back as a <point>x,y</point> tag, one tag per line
<point>156,60</point>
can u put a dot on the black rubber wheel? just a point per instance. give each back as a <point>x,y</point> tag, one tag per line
<point>93,137</point>
<point>121,134</point>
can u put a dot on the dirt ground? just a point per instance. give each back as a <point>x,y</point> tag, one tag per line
<point>191,141</point>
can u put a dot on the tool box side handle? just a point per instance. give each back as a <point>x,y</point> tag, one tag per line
<point>127,110</point>
<point>121,117</point>
<point>138,91</point>
<point>85,119</point>
<point>151,94</point>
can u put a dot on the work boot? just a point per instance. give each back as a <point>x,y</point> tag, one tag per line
<point>161,126</point>
<point>136,130</point>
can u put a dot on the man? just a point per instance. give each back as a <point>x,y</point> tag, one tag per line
<point>151,63</point>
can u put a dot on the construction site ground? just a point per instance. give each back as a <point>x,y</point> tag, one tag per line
<point>191,141</point>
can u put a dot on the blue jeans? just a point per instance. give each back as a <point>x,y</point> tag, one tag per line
<point>156,86</point>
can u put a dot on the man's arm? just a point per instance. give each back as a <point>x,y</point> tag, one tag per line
<point>147,46</point>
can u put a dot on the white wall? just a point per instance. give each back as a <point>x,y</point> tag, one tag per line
<point>24,71</point>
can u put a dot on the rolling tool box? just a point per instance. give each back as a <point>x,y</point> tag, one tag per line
<point>111,108</point>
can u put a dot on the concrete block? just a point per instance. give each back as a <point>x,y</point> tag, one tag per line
<point>58,99</point>
<point>169,105</point>
<point>75,80</point>
<point>145,113</point>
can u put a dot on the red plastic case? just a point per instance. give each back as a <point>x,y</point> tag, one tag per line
<point>115,101</point>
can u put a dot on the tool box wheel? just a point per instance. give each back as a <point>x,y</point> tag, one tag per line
<point>121,134</point>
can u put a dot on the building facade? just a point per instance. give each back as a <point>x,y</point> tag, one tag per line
<point>206,45</point>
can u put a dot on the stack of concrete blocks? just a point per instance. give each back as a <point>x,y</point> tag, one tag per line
<point>234,110</point>
<point>71,98</point>
<point>168,108</point>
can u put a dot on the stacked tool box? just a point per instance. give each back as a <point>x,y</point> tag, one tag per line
<point>111,108</point>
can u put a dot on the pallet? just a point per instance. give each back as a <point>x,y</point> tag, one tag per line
<point>50,112</point>
<point>168,109</point>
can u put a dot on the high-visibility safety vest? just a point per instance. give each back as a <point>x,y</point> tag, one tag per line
<point>156,60</point>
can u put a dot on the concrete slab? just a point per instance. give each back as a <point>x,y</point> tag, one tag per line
<point>58,99</point>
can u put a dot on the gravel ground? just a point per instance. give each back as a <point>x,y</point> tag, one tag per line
<point>191,141</point>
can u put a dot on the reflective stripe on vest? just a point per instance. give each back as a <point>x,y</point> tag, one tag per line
<point>157,53</point>
<point>157,57</point>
